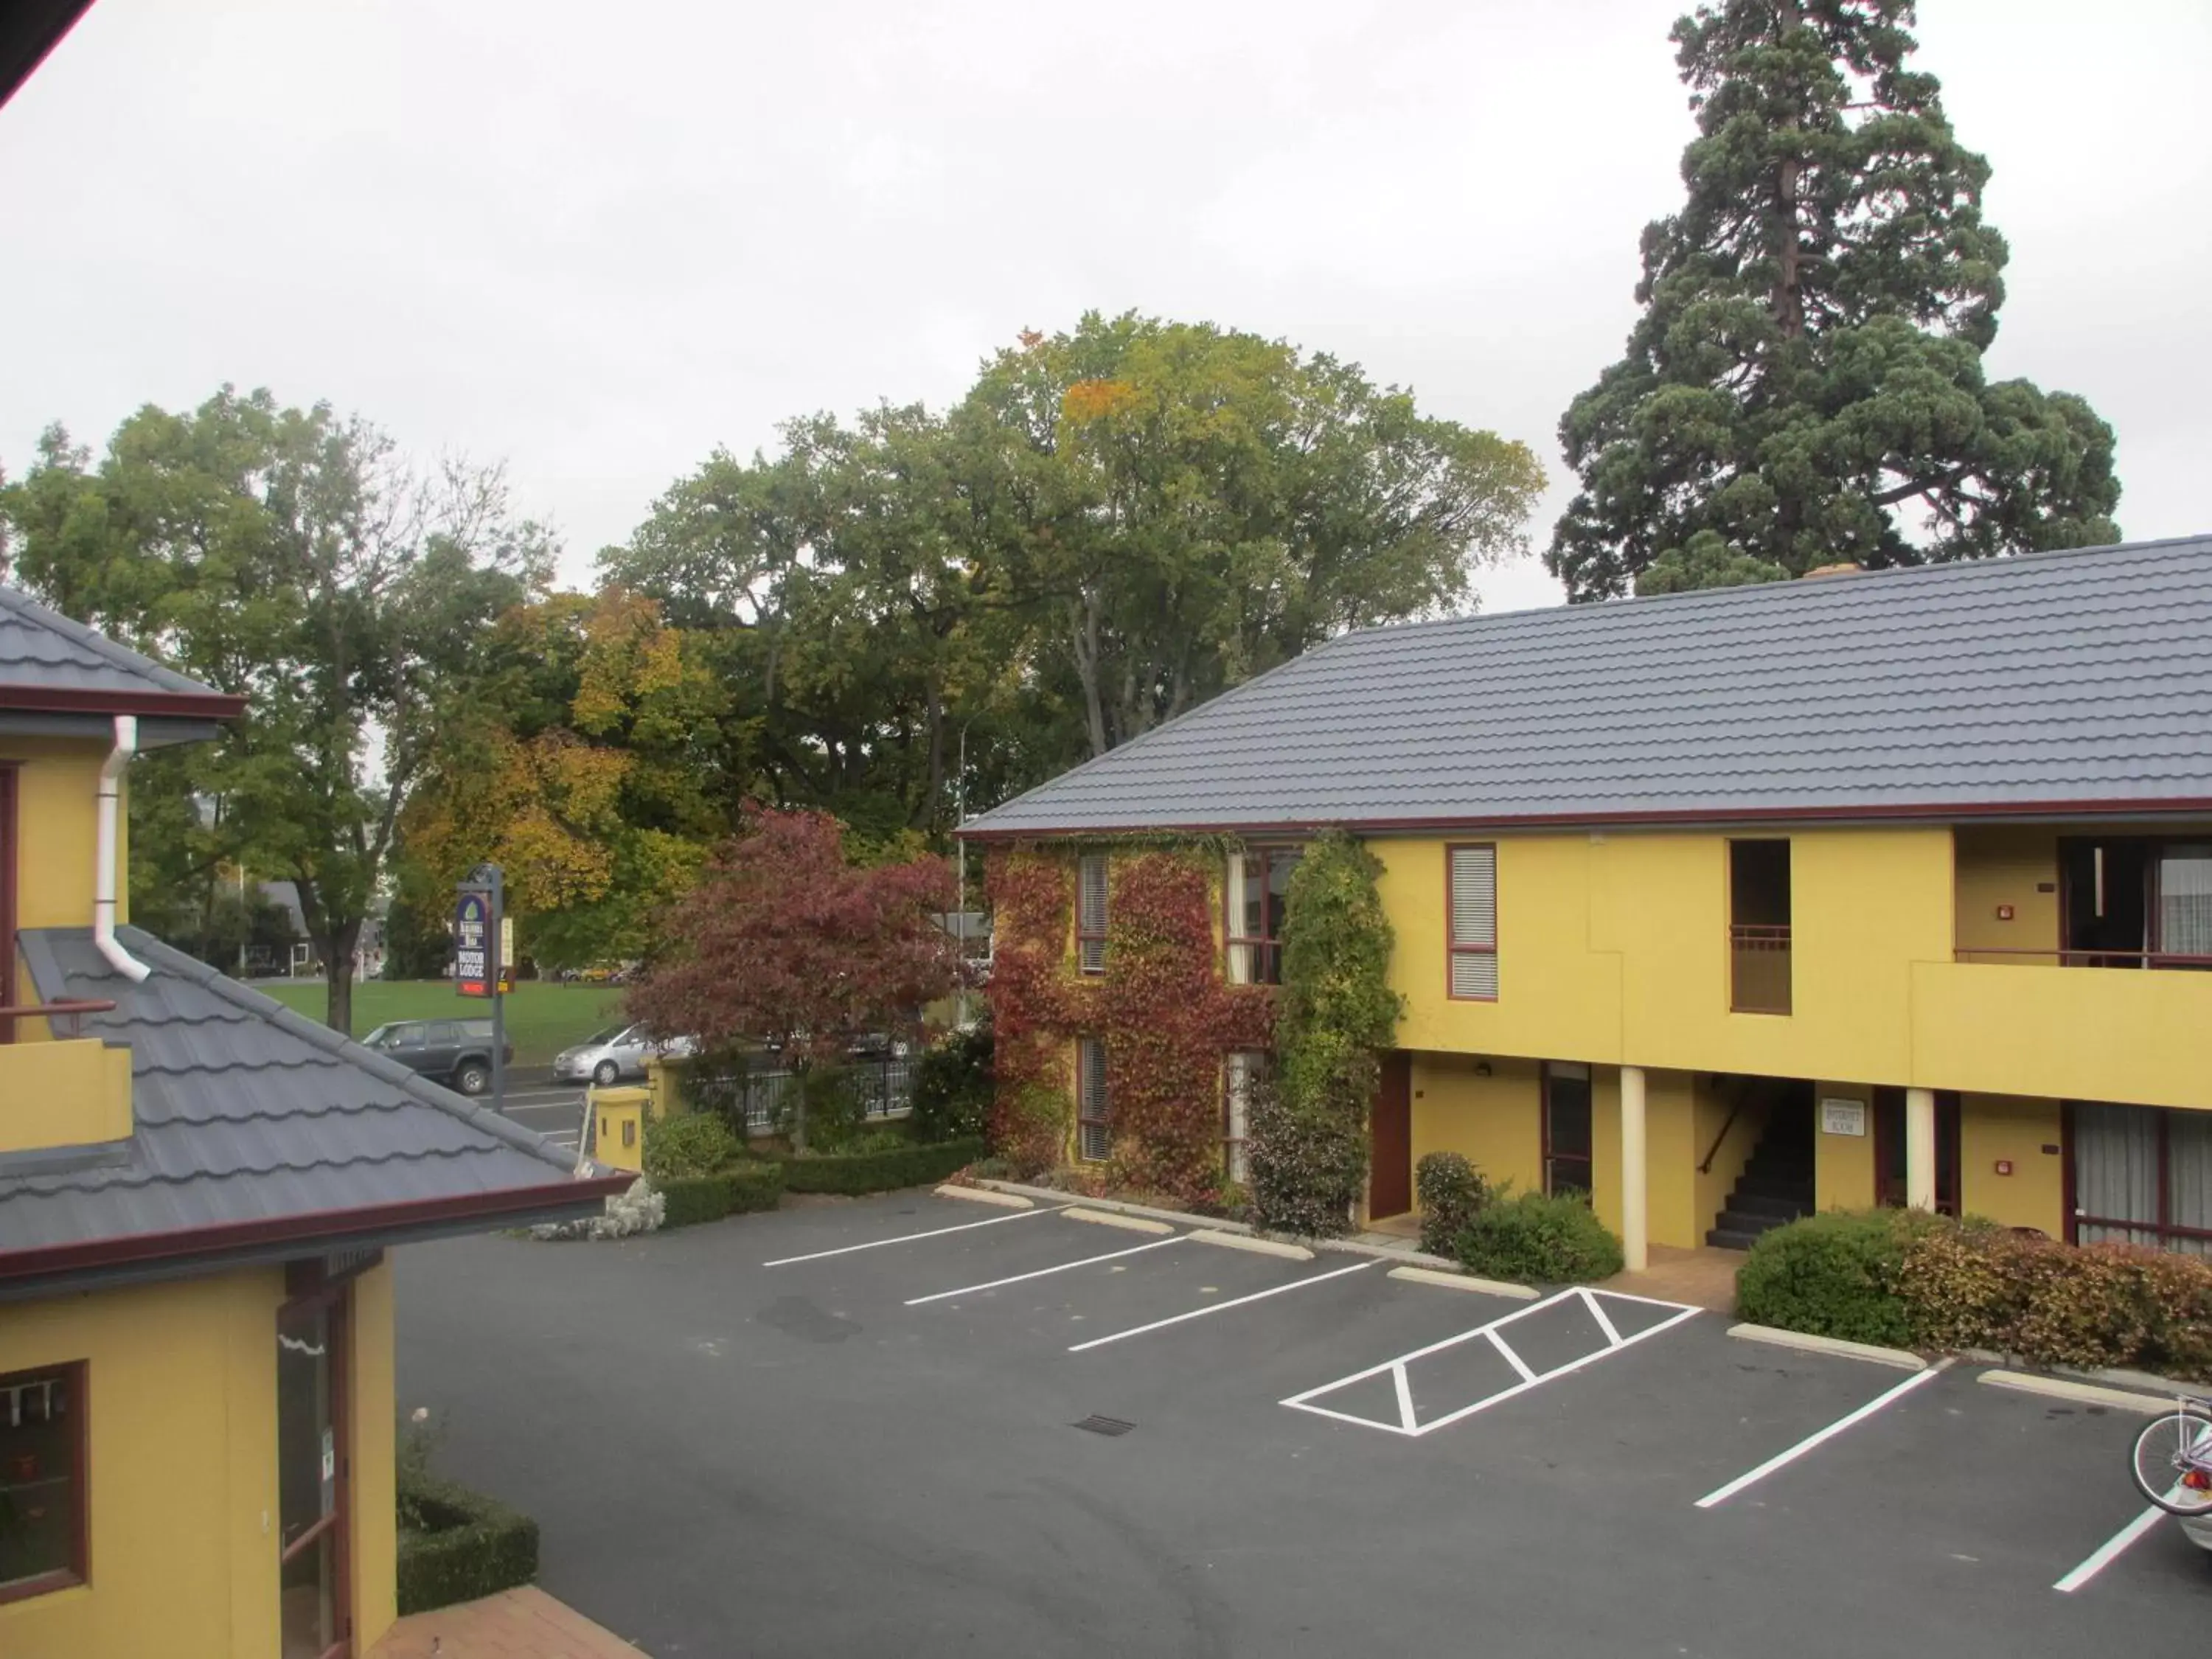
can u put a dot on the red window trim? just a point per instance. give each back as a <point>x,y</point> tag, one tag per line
<point>1588,1080</point>
<point>10,856</point>
<point>1233,906</point>
<point>1453,949</point>
<point>336,1296</point>
<point>79,1571</point>
<point>1085,936</point>
<point>2165,1226</point>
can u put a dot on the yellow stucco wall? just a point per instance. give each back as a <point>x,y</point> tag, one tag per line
<point>182,1382</point>
<point>2004,865</point>
<point>57,786</point>
<point>1995,1127</point>
<point>1491,1121</point>
<point>76,1092</point>
<point>1843,1165</point>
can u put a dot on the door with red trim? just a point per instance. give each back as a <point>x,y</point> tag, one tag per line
<point>312,1476</point>
<point>1390,1139</point>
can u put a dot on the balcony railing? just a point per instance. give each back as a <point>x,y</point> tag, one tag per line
<point>1758,969</point>
<point>64,1019</point>
<point>2053,956</point>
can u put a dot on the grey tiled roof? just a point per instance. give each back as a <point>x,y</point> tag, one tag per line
<point>247,1112</point>
<point>2058,678</point>
<point>42,647</point>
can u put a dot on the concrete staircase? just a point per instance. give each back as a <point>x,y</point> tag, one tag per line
<point>1775,1186</point>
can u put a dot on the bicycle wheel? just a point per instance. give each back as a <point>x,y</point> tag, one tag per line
<point>2173,1460</point>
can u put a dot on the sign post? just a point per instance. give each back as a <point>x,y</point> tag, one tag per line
<point>482,943</point>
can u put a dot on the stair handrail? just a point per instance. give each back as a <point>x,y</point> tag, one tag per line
<point>1728,1123</point>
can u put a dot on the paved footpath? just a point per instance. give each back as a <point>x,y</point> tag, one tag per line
<point>516,1624</point>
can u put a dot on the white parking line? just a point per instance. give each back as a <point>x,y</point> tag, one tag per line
<point>903,1238</point>
<point>1220,1307</point>
<point>1409,1425</point>
<point>1820,1438</point>
<point>2109,1551</point>
<point>1041,1272</point>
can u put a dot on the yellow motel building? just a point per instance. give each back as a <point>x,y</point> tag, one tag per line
<point>1871,888</point>
<point>198,1192</point>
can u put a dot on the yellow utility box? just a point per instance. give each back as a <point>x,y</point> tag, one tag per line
<point>618,1119</point>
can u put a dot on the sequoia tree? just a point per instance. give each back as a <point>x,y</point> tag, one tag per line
<point>1805,385</point>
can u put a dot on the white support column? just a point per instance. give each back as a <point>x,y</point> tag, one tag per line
<point>1634,1176</point>
<point>1920,1148</point>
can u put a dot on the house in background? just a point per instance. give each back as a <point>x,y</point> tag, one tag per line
<point>198,1188</point>
<point>1724,907</point>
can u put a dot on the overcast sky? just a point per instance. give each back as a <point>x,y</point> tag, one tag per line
<point>599,241</point>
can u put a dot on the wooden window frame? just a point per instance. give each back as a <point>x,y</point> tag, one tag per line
<point>2166,1227</point>
<point>1235,1148</point>
<point>10,857</point>
<point>1083,1115</point>
<point>1258,948</point>
<point>1588,1080</point>
<point>1453,949</point>
<point>1088,936</point>
<point>1778,938</point>
<point>335,1295</point>
<point>77,1374</point>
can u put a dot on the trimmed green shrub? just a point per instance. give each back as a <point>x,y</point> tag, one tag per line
<point>1308,1166</point>
<point>1538,1237</point>
<point>682,1148</point>
<point>749,1185</point>
<point>1837,1274</point>
<point>909,1165</point>
<point>953,1088</point>
<point>1451,1192</point>
<point>456,1545</point>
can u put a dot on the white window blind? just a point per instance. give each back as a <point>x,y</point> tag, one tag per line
<point>1095,1140</point>
<point>1090,913</point>
<point>1474,922</point>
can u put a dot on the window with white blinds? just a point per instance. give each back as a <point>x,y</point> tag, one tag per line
<point>1473,902</point>
<point>1090,912</point>
<point>1094,1141</point>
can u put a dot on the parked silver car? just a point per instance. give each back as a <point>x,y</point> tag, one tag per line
<point>620,1051</point>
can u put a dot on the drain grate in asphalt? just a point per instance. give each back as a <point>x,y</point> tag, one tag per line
<point>1106,1425</point>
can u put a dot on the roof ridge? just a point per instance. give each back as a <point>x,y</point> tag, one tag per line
<point>15,599</point>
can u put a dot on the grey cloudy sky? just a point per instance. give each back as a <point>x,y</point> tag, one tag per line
<point>599,241</point>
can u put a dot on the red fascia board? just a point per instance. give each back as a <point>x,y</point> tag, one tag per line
<point>1907,812</point>
<point>175,705</point>
<point>133,1249</point>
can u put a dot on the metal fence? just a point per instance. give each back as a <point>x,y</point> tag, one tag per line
<point>885,1088</point>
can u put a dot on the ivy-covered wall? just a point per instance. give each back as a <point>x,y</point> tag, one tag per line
<point>1161,1008</point>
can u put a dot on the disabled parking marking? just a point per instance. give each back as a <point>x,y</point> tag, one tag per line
<point>1821,1436</point>
<point>1220,1307</point>
<point>1042,1273</point>
<point>1409,1424</point>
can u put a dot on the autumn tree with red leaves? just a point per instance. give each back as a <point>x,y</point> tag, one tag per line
<point>784,942</point>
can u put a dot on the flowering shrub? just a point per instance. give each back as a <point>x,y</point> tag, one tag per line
<point>1451,1191</point>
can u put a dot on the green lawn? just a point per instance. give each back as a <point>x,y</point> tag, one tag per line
<point>541,1019</point>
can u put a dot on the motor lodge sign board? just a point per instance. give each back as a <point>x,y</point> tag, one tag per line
<point>472,944</point>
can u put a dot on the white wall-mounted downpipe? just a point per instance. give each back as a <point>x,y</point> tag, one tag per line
<point>105,874</point>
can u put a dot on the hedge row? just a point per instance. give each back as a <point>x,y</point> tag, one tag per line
<point>468,1546</point>
<point>1905,1278</point>
<point>753,1184</point>
<point>879,1171</point>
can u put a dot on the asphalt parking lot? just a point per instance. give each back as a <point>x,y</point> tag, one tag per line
<point>851,1427</point>
<point>555,1111</point>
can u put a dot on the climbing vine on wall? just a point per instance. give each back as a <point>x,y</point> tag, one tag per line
<point>1335,1015</point>
<point>1161,1009</point>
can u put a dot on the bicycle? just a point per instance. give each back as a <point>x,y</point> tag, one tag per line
<point>2173,1458</point>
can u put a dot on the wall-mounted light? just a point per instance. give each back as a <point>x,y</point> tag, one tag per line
<point>1482,1068</point>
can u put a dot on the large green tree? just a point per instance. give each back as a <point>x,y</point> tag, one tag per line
<point>1805,385</point>
<point>293,556</point>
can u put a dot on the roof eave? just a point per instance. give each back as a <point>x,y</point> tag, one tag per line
<point>175,705</point>
<point>1920,811</point>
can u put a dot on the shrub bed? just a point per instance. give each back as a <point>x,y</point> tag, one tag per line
<point>749,1185</point>
<point>680,1148</point>
<point>1535,1236</point>
<point>456,1545</point>
<point>876,1170</point>
<point>1452,1192</point>
<point>1906,1279</point>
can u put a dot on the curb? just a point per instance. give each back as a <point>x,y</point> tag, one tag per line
<point>2087,1394</point>
<point>2110,1377</point>
<point>978,1195</point>
<point>1248,1242</point>
<point>1136,1224</point>
<point>1465,1282</point>
<point>1805,1342</point>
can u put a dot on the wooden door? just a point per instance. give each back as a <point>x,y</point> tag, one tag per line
<point>1390,1140</point>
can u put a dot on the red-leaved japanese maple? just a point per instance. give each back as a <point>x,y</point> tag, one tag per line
<point>785,942</point>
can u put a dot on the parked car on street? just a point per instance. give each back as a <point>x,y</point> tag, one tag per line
<point>620,1051</point>
<point>456,1052</point>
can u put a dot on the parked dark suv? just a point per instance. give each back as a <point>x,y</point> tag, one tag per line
<point>456,1052</point>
